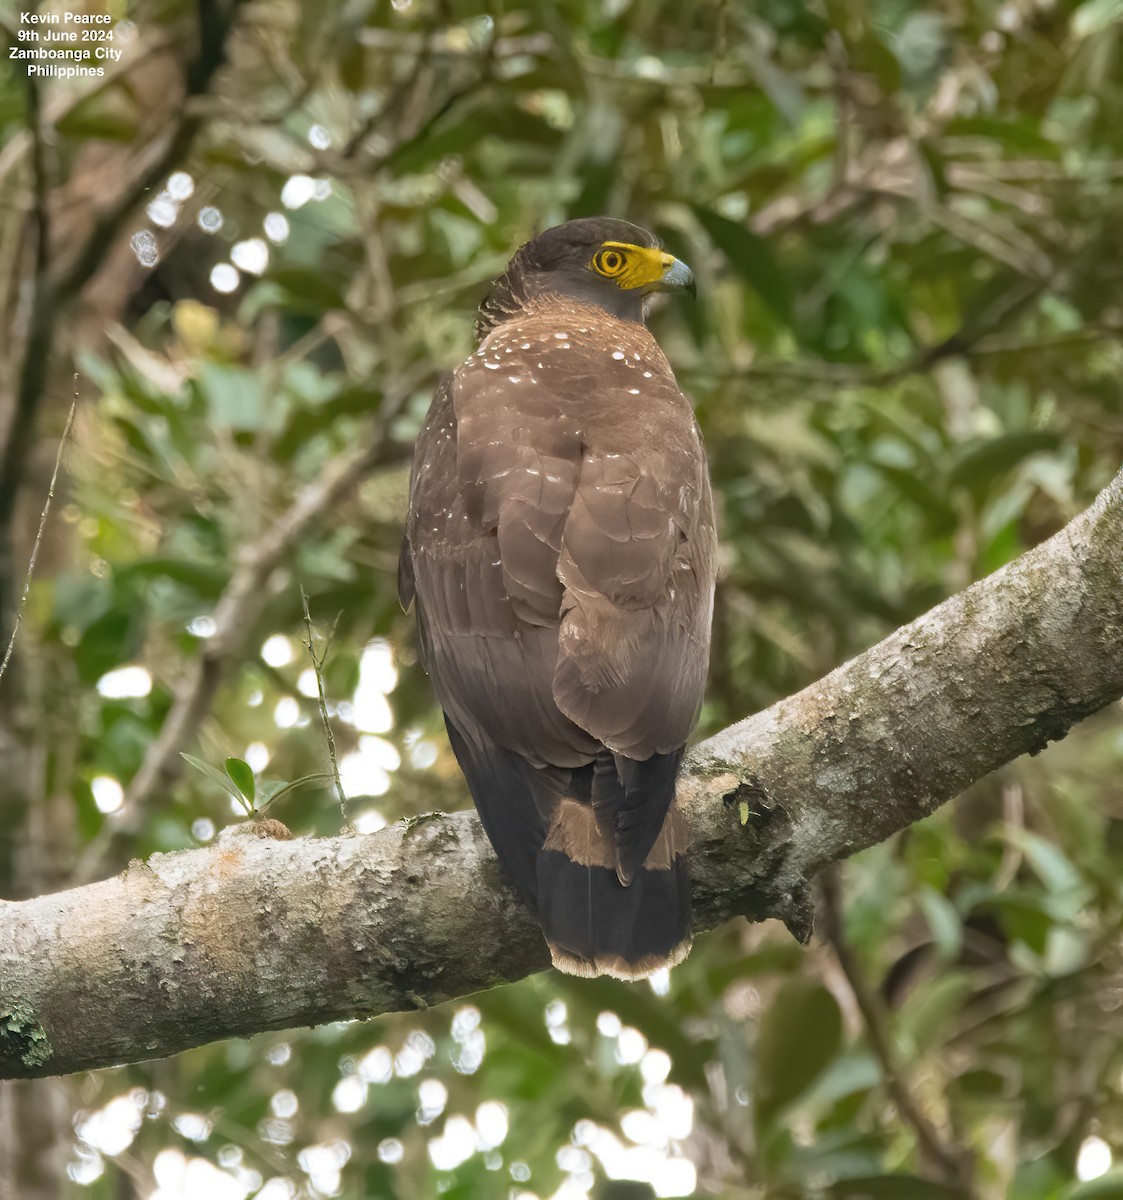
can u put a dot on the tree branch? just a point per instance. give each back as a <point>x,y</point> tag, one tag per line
<point>949,1161</point>
<point>33,557</point>
<point>256,933</point>
<point>36,353</point>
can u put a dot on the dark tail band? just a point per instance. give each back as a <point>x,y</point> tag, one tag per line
<point>600,856</point>
<point>597,926</point>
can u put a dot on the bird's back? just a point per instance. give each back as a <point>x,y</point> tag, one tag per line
<point>560,546</point>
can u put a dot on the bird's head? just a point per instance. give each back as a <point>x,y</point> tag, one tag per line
<point>593,260</point>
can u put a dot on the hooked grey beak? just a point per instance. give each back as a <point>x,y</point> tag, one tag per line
<point>678,277</point>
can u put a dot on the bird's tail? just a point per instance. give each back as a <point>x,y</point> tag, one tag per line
<point>612,899</point>
<point>598,851</point>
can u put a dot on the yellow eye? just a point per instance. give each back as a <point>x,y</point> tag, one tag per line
<point>609,262</point>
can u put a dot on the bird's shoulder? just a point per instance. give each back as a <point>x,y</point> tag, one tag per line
<point>569,340</point>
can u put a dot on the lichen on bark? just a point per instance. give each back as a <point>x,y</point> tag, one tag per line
<point>22,1038</point>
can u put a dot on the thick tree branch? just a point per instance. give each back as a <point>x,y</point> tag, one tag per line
<point>256,933</point>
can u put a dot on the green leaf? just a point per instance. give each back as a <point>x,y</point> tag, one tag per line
<point>981,465</point>
<point>868,54</point>
<point>891,1187</point>
<point>1106,1187</point>
<point>242,775</point>
<point>215,776</point>
<point>108,642</point>
<point>751,257</point>
<point>912,487</point>
<point>982,1084</point>
<point>309,291</point>
<point>304,422</point>
<point>927,1013</point>
<point>1050,863</point>
<point>943,920</point>
<point>799,1036</point>
<point>235,399</point>
<point>206,580</point>
<point>104,116</point>
<point>1024,918</point>
<point>285,789</point>
<point>1016,135</point>
<point>853,1073</point>
<point>1095,16</point>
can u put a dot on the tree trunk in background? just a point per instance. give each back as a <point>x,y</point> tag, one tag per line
<point>34,1138</point>
<point>35,1115</point>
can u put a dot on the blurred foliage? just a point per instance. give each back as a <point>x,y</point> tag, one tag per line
<point>905,221</point>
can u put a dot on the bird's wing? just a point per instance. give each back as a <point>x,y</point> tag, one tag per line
<point>494,474</point>
<point>637,563</point>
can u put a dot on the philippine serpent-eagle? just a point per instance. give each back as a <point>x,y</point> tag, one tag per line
<point>560,549</point>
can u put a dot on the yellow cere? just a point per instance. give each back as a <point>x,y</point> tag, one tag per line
<point>631,266</point>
